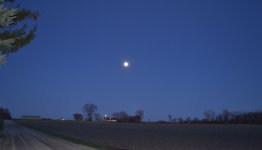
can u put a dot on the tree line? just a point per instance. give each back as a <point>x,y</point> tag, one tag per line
<point>209,117</point>
<point>225,117</point>
<point>123,116</point>
<point>90,111</point>
<point>5,114</point>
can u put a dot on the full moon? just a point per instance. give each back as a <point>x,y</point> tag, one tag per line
<point>125,64</point>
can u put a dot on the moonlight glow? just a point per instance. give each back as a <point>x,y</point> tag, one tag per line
<point>126,64</point>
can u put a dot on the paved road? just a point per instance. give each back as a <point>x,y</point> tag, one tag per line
<point>17,137</point>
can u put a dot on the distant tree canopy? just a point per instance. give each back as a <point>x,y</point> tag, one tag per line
<point>226,117</point>
<point>17,27</point>
<point>209,115</point>
<point>122,116</point>
<point>97,117</point>
<point>90,110</point>
<point>78,116</point>
<point>5,114</point>
<point>140,114</point>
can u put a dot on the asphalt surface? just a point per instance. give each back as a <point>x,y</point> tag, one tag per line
<point>17,137</point>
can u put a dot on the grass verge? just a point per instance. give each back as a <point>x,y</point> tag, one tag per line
<point>68,138</point>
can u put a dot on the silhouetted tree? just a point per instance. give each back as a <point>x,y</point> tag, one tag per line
<point>196,120</point>
<point>139,115</point>
<point>210,115</point>
<point>121,116</point>
<point>115,115</point>
<point>249,117</point>
<point>225,115</point>
<point>188,120</point>
<point>175,120</point>
<point>170,118</point>
<point>17,27</point>
<point>89,109</point>
<point>78,116</point>
<point>97,117</point>
<point>180,120</point>
<point>219,119</point>
<point>5,114</point>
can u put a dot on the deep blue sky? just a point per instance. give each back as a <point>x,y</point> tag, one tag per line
<point>186,57</point>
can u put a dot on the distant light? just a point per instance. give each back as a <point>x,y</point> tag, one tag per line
<point>126,64</point>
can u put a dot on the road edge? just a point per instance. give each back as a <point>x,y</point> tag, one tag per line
<point>67,138</point>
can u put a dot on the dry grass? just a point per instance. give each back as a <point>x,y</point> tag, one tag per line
<point>158,136</point>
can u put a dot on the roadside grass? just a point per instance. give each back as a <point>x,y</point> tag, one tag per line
<point>70,139</point>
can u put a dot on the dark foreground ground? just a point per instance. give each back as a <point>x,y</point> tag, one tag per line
<point>159,136</point>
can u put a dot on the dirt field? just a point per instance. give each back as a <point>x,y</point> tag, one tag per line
<point>160,136</point>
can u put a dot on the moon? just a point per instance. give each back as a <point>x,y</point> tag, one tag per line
<point>126,64</point>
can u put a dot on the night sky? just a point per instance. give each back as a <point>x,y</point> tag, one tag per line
<point>185,57</point>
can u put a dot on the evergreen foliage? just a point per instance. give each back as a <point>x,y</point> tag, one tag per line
<point>17,27</point>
